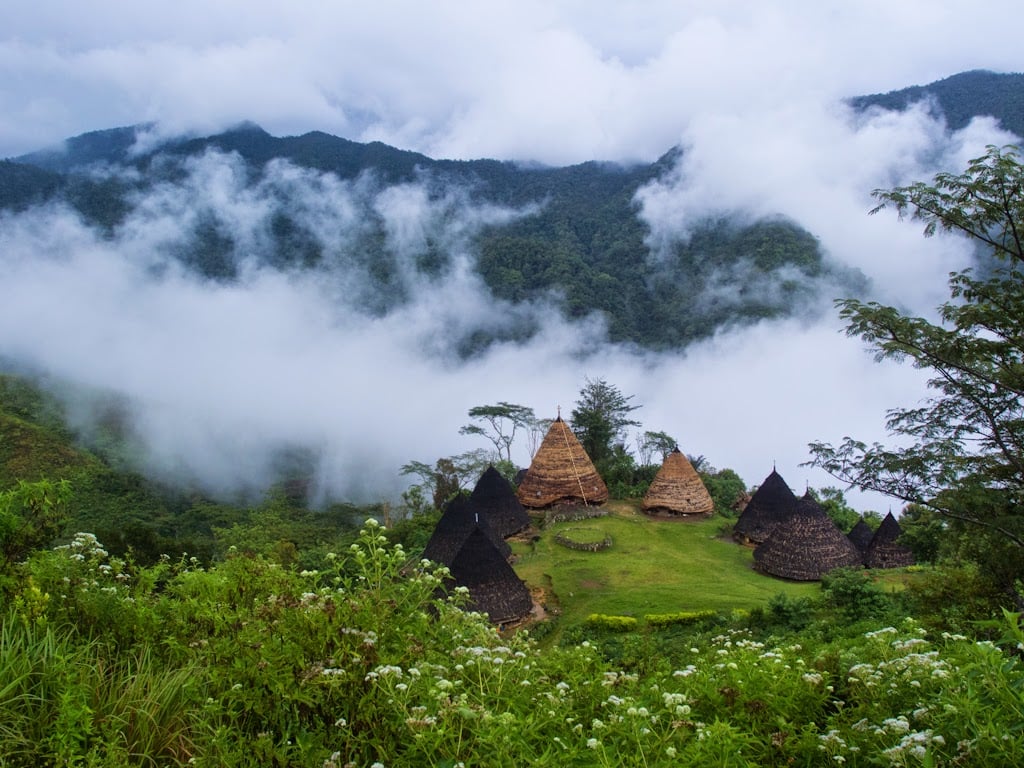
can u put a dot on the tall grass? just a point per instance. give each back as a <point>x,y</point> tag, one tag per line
<point>62,698</point>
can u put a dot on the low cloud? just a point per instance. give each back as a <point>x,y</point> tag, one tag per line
<point>221,377</point>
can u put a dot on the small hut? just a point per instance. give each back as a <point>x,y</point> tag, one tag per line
<point>459,519</point>
<point>884,551</point>
<point>805,546</point>
<point>771,503</point>
<point>861,535</point>
<point>677,489</point>
<point>477,558</point>
<point>495,496</point>
<point>494,588</point>
<point>561,472</point>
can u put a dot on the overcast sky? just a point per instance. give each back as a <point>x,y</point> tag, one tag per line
<point>752,91</point>
<point>558,82</point>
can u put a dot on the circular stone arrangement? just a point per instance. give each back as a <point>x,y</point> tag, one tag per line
<point>583,543</point>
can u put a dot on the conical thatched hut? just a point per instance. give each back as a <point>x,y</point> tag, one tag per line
<point>494,588</point>
<point>495,496</point>
<point>805,546</point>
<point>458,521</point>
<point>771,503</point>
<point>861,535</point>
<point>883,551</point>
<point>677,489</point>
<point>561,472</point>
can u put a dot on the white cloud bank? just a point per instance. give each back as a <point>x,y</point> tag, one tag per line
<point>558,82</point>
<point>219,373</point>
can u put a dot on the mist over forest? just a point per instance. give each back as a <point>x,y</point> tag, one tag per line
<point>241,297</point>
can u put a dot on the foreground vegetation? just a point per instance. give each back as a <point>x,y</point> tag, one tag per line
<point>359,663</point>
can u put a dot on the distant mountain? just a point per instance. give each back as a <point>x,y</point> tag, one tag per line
<point>571,235</point>
<point>962,97</point>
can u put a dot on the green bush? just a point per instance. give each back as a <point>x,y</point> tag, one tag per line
<point>853,595</point>
<point>612,623</point>
<point>681,617</point>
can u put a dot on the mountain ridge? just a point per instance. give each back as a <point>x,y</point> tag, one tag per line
<point>571,236</point>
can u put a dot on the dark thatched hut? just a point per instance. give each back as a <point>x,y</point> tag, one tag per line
<point>477,559</point>
<point>458,521</point>
<point>561,472</point>
<point>496,498</point>
<point>771,503</point>
<point>861,535</point>
<point>805,546</point>
<point>494,588</point>
<point>677,489</point>
<point>884,551</point>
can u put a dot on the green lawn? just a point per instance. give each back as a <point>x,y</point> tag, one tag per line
<point>653,566</point>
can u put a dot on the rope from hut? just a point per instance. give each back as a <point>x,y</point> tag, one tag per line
<point>568,450</point>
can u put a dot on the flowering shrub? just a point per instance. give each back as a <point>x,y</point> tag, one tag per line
<point>364,662</point>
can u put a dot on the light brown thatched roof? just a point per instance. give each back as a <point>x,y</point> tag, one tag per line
<point>883,551</point>
<point>495,497</point>
<point>561,472</point>
<point>677,489</point>
<point>772,502</point>
<point>806,545</point>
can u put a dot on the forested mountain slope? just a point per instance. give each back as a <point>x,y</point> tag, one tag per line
<point>962,97</point>
<point>393,222</point>
<point>568,236</point>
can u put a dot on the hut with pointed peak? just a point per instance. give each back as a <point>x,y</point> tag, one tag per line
<point>677,489</point>
<point>561,472</point>
<point>806,545</point>
<point>457,522</point>
<point>478,559</point>
<point>884,551</point>
<point>494,587</point>
<point>494,496</point>
<point>861,535</point>
<point>771,503</point>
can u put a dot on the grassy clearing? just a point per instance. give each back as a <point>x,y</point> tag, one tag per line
<point>653,566</point>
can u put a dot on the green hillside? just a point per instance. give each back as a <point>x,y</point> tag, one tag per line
<point>653,566</point>
<point>130,512</point>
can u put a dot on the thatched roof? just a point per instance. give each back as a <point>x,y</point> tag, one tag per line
<point>677,489</point>
<point>459,520</point>
<point>861,535</point>
<point>771,503</point>
<point>494,588</point>
<point>805,546</point>
<point>561,472</point>
<point>495,497</point>
<point>883,551</point>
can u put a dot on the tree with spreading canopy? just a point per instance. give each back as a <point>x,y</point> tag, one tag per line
<point>499,423</point>
<point>962,450</point>
<point>655,446</point>
<point>448,476</point>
